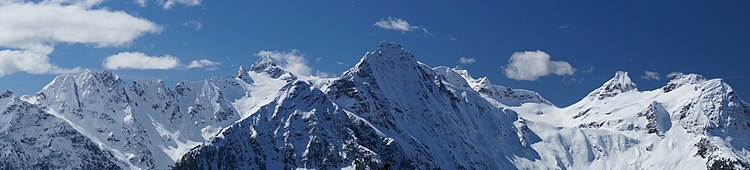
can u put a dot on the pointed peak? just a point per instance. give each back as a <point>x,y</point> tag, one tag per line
<point>391,48</point>
<point>388,45</point>
<point>263,63</point>
<point>620,83</point>
<point>388,53</point>
<point>266,64</point>
<point>243,75</point>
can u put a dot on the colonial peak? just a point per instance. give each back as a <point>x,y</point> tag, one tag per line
<point>620,83</point>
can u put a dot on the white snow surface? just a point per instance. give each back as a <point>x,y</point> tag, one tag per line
<point>387,110</point>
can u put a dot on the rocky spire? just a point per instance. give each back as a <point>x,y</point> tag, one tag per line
<point>620,83</point>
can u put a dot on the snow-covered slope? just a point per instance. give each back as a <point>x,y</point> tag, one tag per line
<point>441,125</point>
<point>497,94</point>
<point>691,123</point>
<point>31,138</point>
<point>300,128</point>
<point>388,111</point>
<point>146,124</point>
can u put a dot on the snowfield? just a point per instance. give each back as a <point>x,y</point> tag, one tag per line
<point>388,111</point>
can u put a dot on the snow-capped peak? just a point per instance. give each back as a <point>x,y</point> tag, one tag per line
<point>620,83</point>
<point>679,79</point>
<point>388,61</point>
<point>263,63</point>
<point>266,65</point>
<point>391,51</point>
<point>242,75</point>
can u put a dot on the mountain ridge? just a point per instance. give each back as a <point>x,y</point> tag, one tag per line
<point>388,110</point>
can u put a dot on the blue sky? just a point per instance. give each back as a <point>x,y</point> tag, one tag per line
<point>596,38</point>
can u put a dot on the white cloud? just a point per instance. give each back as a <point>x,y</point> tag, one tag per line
<point>398,24</point>
<point>12,61</point>
<point>141,61</point>
<point>36,26</point>
<point>651,75</point>
<point>530,65</point>
<point>197,25</point>
<point>141,3</point>
<point>168,4</point>
<point>293,61</point>
<point>138,60</point>
<point>204,63</point>
<point>394,23</point>
<point>29,31</point>
<point>467,60</point>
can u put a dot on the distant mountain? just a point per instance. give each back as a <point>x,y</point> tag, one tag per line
<point>388,111</point>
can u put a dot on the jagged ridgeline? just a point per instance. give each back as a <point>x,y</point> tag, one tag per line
<point>389,111</point>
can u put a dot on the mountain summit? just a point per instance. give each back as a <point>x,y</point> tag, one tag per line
<point>266,65</point>
<point>620,83</point>
<point>387,111</point>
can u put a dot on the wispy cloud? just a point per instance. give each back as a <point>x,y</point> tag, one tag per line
<point>204,63</point>
<point>452,38</point>
<point>168,4</point>
<point>651,75</point>
<point>531,65</point>
<point>467,60</point>
<point>398,24</point>
<point>564,27</point>
<point>197,25</point>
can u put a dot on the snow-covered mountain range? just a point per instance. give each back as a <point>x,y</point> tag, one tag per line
<point>388,111</point>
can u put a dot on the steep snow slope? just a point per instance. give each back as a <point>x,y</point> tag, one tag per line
<point>389,110</point>
<point>145,123</point>
<point>30,138</point>
<point>150,126</point>
<point>691,123</point>
<point>301,128</point>
<point>440,124</point>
